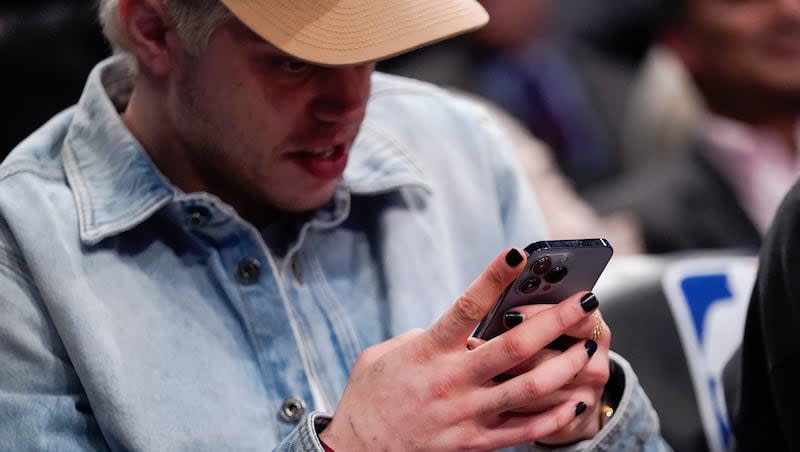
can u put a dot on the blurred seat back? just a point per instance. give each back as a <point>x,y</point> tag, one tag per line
<point>678,319</point>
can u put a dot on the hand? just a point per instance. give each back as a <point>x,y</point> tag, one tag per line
<point>587,385</point>
<point>425,391</point>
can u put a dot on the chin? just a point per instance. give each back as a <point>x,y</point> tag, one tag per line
<point>312,201</point>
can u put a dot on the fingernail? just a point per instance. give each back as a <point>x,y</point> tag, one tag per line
<point>513,258</point>
<point>591,347</point>
<point>589,302</point>
<point>512,319</point>
<point>580,408</point>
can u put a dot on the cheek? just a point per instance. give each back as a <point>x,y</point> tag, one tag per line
<point>273,111</point>
<point>740,30</point>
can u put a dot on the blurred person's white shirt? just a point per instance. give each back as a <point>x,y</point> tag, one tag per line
<point>757,164</point>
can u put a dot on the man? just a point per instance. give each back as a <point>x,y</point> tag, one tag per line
<point>744,58</point>
<point>186,265</point>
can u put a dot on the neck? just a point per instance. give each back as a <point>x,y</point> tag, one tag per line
<point>777,115</point>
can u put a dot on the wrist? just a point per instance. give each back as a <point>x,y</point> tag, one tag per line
<point>612,393</point>
<point>320,425</point>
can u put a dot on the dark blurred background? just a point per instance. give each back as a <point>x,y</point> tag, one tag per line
<point>47,49</point>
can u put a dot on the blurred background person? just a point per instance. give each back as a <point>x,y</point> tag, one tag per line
<point>534,77</point>
<point>744,59</point>
<point>517,63</point>
<point>48,48</point>
<point>663,111</point>
<point>566,213</point>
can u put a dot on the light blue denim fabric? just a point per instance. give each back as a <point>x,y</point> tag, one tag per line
<point>137,317</point>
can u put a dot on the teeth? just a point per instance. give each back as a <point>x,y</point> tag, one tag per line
<point>322,153</point>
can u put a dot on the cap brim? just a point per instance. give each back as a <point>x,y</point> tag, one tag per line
<point>349,32</point>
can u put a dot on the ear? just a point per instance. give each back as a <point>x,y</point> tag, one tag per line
<point>151,34</point>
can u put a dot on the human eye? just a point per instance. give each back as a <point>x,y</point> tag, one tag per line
<point>294,67</point>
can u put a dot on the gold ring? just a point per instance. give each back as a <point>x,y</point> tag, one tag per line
<point>598,326</point>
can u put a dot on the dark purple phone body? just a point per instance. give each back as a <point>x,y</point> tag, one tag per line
<point>555,270</point>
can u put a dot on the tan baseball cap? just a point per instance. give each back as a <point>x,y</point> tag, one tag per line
<point>348,32</point>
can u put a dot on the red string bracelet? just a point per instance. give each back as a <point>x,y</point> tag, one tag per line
<point>326,447</point>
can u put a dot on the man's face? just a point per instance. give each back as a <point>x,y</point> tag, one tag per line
<point>262,129</point>
<point>753,45</point>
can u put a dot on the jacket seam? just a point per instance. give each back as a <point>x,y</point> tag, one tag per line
<point>11,169</point>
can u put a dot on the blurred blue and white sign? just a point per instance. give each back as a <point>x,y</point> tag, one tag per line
<point>709,298</point>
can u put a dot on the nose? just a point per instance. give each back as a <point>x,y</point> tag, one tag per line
<point>343,94</point>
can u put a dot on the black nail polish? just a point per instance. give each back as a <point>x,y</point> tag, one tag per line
<point>589,302</point>
<point>580,408</point>
<point>513,258</point>
<point>512,319</point>
<point>591,347</point>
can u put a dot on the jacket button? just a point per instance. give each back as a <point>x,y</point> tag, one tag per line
<point>292,409</point>
<point>198,217</point>
<point>248,270</point>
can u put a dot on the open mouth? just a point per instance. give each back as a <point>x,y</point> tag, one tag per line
<point>324,162</point>
<point>321,153</point>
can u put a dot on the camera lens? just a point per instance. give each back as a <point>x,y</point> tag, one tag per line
<point>530,285</point>
<point>541,266</point>
<point>556,274</point>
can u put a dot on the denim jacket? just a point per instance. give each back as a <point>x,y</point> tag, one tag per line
<point>134,316</point>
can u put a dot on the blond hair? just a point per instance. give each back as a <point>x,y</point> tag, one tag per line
<point>195,21</point>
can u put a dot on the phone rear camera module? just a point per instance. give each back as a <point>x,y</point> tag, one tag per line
<point>530,285</point>
<point>556,274</point>
<point>541,266</point>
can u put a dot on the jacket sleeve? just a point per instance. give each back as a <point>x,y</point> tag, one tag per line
<point>42,403</point>
<point>304,437</point>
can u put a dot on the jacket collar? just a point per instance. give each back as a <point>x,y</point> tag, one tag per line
<point>116,186</point>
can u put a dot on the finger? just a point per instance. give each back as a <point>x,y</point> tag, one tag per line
<point>557,398</point>
<point>596,372</point>
<point>514,347</point>
<point>561,343</point>
<point>593,327</point>
<point>585,329</point>
<point>528,429</point>
<point>523,391</point>
<point>474,342</point>
<point>536,360</point>
<point>517,315</point>
<point>586,385</point>
<point>456,325</point>
<point>582,427</point>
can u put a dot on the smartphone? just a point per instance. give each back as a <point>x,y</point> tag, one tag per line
<point>555,270</point>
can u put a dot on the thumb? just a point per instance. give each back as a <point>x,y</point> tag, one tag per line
<point>455,326</point>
